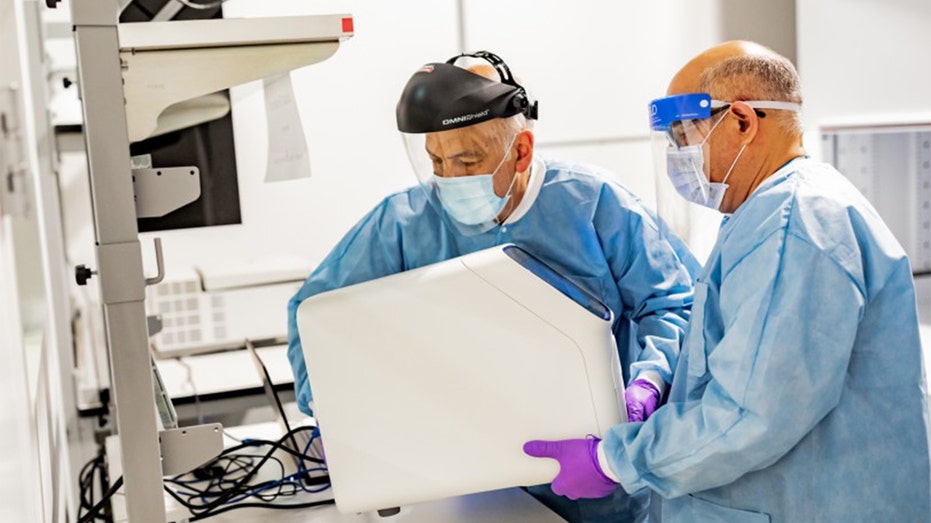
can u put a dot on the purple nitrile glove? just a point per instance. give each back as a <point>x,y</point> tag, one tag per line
<point>580,475</point>
<point>641,397</point>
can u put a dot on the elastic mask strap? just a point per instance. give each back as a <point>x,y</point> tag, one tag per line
<point>734,163</point>
<point>507,194</point>
<point>713,127</point>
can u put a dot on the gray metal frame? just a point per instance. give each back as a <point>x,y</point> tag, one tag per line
<point>102,77</point>
<point>119,258</point>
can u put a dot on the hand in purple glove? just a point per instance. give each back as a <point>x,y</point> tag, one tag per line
<point>641,397</point>
<point>580,475</point>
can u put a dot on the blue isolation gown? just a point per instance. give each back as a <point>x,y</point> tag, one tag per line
<point>799,394</point>
<point>589,229</point>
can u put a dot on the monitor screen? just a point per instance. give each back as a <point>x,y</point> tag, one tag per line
<point>208,146</point>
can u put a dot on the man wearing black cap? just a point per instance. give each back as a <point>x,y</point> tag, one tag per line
<point>468,137</point>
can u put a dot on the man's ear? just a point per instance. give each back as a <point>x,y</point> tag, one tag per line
<point>524,145</point>
<point>747,120</point>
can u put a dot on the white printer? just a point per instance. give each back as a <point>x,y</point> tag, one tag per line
<point>427,383</point>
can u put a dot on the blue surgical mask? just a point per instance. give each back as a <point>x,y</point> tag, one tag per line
<point>685,167</point>
<point>470,200</point>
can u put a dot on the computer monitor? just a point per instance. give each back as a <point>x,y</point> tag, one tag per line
<point>208,146</point>
<point>427,383</point>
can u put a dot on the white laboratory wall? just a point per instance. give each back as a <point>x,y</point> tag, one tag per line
<point>20,498</point>
<point>593,65</point>
<point>866,62</point>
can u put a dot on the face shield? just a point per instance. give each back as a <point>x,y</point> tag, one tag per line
<point>459,130</point>
<point>680,129</point>
<point>680,126</point>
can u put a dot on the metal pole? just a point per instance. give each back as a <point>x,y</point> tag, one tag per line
<point>119,259</point>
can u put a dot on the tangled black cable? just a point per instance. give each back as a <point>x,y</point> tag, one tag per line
<point>224,483</point>
<point>97,466</point>
<point>229,479</point>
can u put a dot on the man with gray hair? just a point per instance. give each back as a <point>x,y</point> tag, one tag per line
<point>481,184</point>
<point>800,391</point>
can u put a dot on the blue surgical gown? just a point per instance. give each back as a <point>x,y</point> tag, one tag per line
<point>591,230</point>
<point>799,394</point>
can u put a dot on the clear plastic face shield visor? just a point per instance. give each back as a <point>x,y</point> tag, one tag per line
<point>469,173</point>
<point>680,127</point>
<point>459,129</point>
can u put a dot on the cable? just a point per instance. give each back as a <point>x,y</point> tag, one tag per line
<point>221,485</point>
<point>264,505</point>
<point>92,514</point>
<point>225,483</point>
<point>190,382</point>
<point>95,466</point>
<point>303,471</point>
<point>230,436</point>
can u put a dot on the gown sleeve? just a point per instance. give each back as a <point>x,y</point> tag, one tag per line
<point>654,274</point>
<point>789,315</point>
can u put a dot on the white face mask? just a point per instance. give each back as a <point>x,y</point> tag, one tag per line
<point>685,167</point>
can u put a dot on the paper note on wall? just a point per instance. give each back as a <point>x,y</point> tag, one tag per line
<point>288,158</point>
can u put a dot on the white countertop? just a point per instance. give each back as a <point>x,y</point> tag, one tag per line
<point>223,371</point>
<point>512,505</point>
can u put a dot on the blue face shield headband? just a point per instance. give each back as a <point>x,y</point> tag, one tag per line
<point>664,112</point>
<point>668,114</point>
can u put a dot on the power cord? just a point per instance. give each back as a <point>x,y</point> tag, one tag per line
<point>224,483</point>
<point>92,514</point>
<point>96,467</point>
<point>189,376</point>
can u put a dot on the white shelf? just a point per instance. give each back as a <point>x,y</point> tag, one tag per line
<point>233,32</point>
<point>167,63</point>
